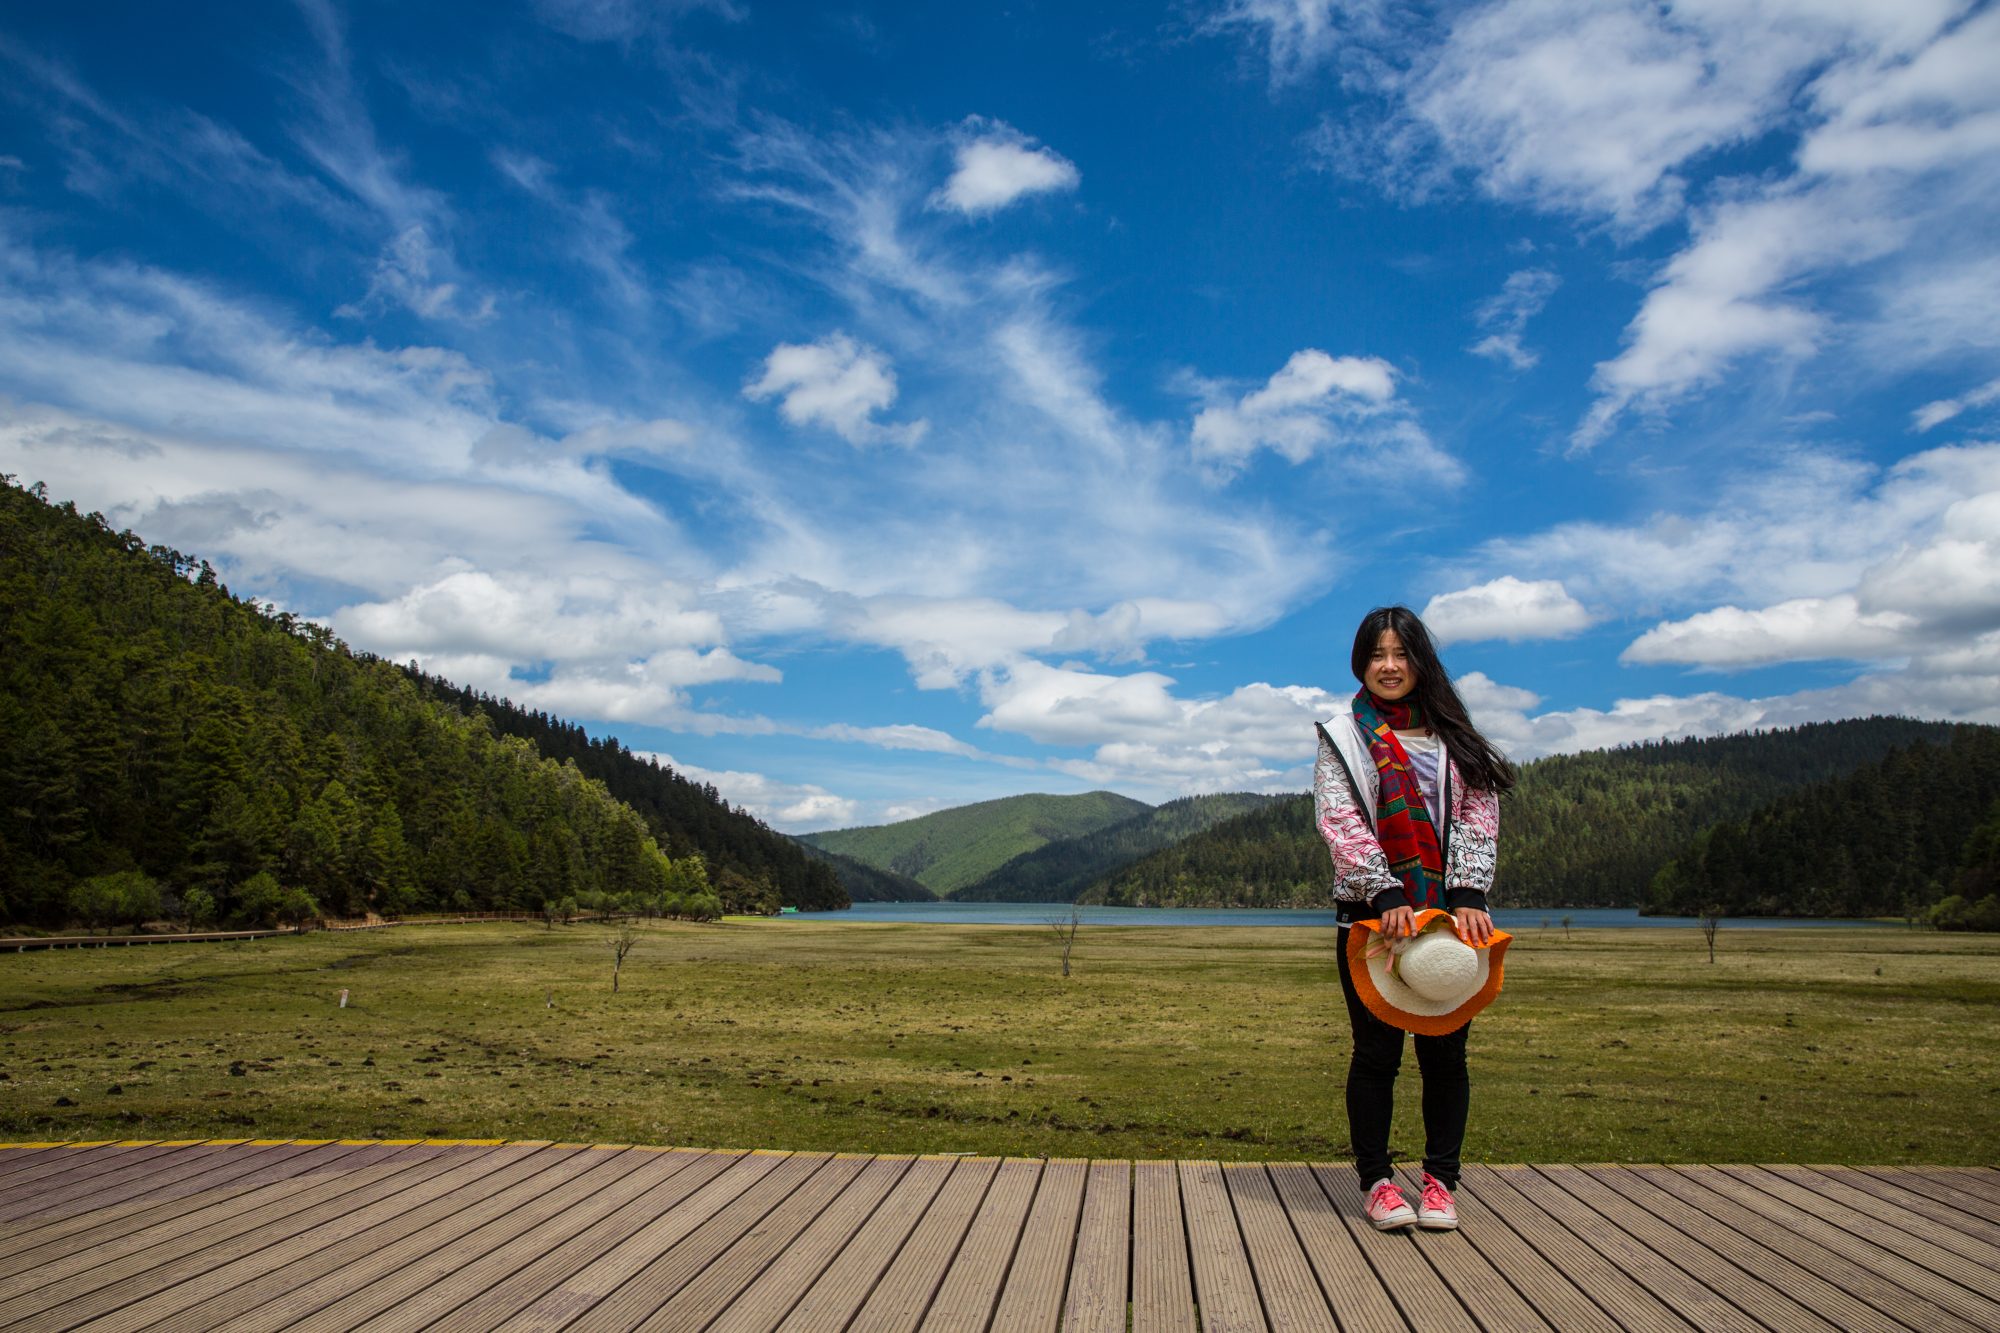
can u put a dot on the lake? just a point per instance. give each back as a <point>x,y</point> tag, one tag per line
<point>1035,914</point>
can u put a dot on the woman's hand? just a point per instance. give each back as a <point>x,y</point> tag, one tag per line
<point>1399,921</point>
<point>1474,926</point>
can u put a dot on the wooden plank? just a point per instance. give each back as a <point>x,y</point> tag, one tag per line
<point>1546,1288</point>
<point>1830,1184</point>
<point>1162,1283</point>
<point>904,1293</point>
<point>633,1304</point>
<point>1604,1284</point>
<point>1740,1286</point>
<point>1890,1264</point>
<point>695,1305</point>
<point>1864,1284</point>
<point>1100,1268</point>
<point>970,1292</point>
<point>666,1181</point>
<point>1974,1179</point>
<point>28,1163</point>
<point>1755,1251</point>
<point>588,1285</point>
<point>1933,1197</point>
<point>1289,1290</point>
<point>1032,1289</point>
<point>1667,1283</point>
<point>1421,1297</point>
<point>771,1297</point>
<point>110,1285</point>
<point>367,1248</point>
<point>60,1179</point>
<point>1482,1288</point>
<point>212,1178</point>
<point>1356,1296</point>
<point>1224,1288</point>
<point>426,1289</point>
<point>1937,1252</point>
<point>79,1254</point>
<point>831,1303</point>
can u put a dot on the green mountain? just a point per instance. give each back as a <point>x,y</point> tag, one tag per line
<point>1579,830</point>
<point>165,745</point>
<point>1060,871</point>
<point>1891,838</point>
<point>867,884</point>
<point>952,848</point>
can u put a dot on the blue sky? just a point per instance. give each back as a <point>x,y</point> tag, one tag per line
<point>880,408</point>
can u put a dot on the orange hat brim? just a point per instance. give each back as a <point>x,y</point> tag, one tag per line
<point>1424,1025</point>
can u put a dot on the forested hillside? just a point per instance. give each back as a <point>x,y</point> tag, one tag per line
<point>869,884</point>
<point>1579,830</point>
<point>166,747</point>
<point>1060,871</point>
<point>753,867</point>
<point>952,848</point>
<point>1891,839</point>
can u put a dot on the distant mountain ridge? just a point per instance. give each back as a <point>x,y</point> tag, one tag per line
<point>868,884</point>
<point>951,849</point>
<point>1061,870</point>
<point>1579,830</point>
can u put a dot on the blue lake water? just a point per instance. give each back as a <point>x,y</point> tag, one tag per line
<point>1035,914</point>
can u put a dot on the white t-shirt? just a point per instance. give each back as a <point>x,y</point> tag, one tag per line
<point>1424,750</point>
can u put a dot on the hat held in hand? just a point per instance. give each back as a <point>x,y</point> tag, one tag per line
<point>1429,983</point>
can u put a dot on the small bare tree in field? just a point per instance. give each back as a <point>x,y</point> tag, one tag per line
<point>1065,929</point>
<point>623,936</point>
<point>1711,921</point>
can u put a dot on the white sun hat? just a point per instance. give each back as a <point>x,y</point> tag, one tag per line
<point>1429,983</point>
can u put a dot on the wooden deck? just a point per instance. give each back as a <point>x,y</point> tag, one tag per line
<point>256,1234</point>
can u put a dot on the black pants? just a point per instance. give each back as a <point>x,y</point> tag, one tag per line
<point>1371,1089</point>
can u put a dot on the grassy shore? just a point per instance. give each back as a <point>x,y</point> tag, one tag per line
<point>1866,1045</point>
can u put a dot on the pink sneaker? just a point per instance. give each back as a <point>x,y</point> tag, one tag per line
<point>1435,1210</point>
<point>1387,1208</point>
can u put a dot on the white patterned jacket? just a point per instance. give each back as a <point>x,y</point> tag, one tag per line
<point>1344,798</point>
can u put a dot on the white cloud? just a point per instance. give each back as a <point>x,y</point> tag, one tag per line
<point>1506,317</point>
<point>998,165</point>
<point>1505,608</point>
<point>1802,629</point>
<point>791,807</point>
<point>1298,34</point>
<point>837,383</point>
<point>1313,403</point>
<point>624,20</point>
<point>1938,412</point>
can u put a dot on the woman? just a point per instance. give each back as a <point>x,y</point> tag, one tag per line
<point>1425,837</point>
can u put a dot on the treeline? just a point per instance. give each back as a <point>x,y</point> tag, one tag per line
<point>1585,830</point>
<point>869,884</point>
<point>1062,870</point>
<point>753,867</point>
<point>1916,831</point>
<point>168,749</point>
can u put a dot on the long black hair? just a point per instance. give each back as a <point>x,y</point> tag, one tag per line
<point>1478,762</point>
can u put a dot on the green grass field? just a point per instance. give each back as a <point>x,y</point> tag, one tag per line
<point>1874,1045</point>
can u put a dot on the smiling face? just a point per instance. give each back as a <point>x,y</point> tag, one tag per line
<point>1390,674</point>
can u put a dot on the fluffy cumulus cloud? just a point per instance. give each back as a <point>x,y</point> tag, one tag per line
<point>1505,608</point>
<point>837,383</point>
<point>1313,403</point>
<point>1144,737</point>
<point>997,165</point>
<point>793,807</point>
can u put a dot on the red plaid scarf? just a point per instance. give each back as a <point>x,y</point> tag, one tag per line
<point>1403,824</point>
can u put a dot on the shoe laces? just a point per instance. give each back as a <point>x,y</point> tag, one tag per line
<point>1388,1194</point>
<point>1436,1196</point>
